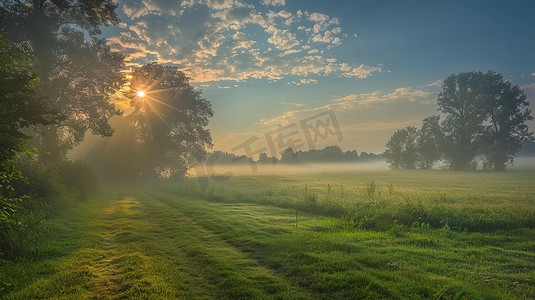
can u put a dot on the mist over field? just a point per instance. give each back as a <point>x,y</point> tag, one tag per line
<point>267,149</point>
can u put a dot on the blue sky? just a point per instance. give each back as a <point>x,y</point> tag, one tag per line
<point>377,65</point>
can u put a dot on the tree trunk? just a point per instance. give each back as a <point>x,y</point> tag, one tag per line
<point>499,162</point>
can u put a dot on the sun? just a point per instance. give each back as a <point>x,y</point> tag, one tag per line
<point>141,94</point>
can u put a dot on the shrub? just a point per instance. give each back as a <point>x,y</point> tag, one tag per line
<point>27,196</point>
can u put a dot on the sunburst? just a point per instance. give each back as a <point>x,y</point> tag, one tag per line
<point>144,96</point>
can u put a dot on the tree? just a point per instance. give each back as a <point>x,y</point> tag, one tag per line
<point>462,100</point>
<point>20,107</point>
<point>289,156</point>
<point>505,128</point>
<point>429,142</point>
<point>401,149</point>
<point>170,119</point>
<point>78,74</point>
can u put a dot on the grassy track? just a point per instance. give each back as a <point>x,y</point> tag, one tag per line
<point>151,244</point>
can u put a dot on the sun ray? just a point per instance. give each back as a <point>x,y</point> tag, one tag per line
<point>145,84</point>
<point>155,83</point>
<point>159,91</point>
<point>160,102</point>
<point>156,112</point>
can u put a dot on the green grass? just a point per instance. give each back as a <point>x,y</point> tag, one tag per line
<point>240,240</point>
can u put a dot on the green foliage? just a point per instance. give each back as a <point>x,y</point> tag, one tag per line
<point>20,227</point>
<point>462,102</point>
<point>430,142</point>
<point>505,129</point>
<point>170,124</point>
<point>20,107</point>
<point>485,114</point>
<point>79,75</point>
<point>371,188</point>
<point>401,149</point>
<point>61,183</point>
<point>10,204</point>
<point>31,194</point>
<point>78,178</point>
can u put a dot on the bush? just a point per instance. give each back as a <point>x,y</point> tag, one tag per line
<point>78,177</point>
<point>27,196</point>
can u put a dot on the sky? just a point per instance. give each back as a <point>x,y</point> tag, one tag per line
<point>311,73</point>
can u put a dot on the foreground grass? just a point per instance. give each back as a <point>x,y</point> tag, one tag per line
<point>149,243</point>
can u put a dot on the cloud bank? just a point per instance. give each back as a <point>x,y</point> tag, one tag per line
<point>215,40</point>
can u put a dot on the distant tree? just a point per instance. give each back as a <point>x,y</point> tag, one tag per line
<point>170,120</point>
<point>350,155</point>
<point>430,142</point>
<point>332,153</point>
<point>401,149</point>
<point>505,128</point>
<point>367,157</point>
<point>462,100</point>
<point>289,156</point>
<point>78,71</point>
<point>263,158</point>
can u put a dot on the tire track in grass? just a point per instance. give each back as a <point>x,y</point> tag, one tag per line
<point>111,260</point>
<point>230,272</point>
<point>134,269</point>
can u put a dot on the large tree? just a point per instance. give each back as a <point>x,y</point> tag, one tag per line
<point>78,71</point>
<point>462,100</point>
<point>401,149</point>
<point>430,142</point>
<point>170,118</point>
<point>20,107</point>
<point>505,128</point>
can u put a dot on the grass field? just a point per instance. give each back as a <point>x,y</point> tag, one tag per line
<point>365,235</point>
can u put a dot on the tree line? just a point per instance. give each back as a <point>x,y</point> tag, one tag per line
<point>329,154</point>
<point>483,115</point>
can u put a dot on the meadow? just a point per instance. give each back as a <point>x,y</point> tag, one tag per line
<point>359,235</point>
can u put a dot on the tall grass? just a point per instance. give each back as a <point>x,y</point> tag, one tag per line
<point>461,201</point>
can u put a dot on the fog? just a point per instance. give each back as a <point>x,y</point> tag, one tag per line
<point>519,164</point>
<point>522,163</point>
<point>268,169</point>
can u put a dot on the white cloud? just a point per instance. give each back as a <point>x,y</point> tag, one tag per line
<point>292,104</point>
<point>221,4</point>
<point>281,14</point>
<point>214,40</point>
<point>274,2</point>
<point>308,81</point>
<point>354,102</point>
<point>436,83</point>
<point>362,71</point>
<point>318,18</point>
<point>282,39</point>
